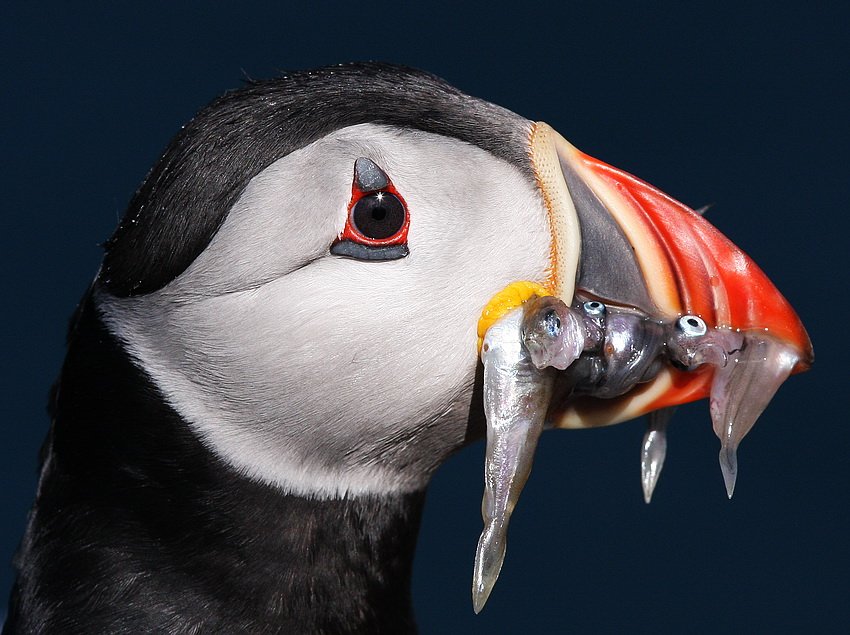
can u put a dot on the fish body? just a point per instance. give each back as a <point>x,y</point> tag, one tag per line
<point>516,398</point>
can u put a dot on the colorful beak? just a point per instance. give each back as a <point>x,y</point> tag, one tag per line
<point>621,241</point>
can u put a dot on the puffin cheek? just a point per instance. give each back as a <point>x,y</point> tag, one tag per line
<point>373,368</point>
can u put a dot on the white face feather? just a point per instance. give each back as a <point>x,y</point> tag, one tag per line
<point>325,375</point>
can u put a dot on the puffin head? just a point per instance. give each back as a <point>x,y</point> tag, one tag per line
<point>302,272</point>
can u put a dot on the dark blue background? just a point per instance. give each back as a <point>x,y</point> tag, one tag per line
<point>743,107</point>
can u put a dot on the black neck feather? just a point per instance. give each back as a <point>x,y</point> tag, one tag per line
<point>139,528</point>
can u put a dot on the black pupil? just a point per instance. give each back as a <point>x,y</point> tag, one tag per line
<point>693,322</point>
<point>378,215</point>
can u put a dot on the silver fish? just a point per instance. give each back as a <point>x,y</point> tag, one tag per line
<point>516,397</point>
<point>520,353</point>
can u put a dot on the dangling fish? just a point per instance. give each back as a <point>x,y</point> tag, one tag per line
<point>520,353</point>
<point>748,369</point>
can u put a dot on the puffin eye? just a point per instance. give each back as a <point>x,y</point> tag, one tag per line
<point>378,216</point>
<point>691,325</point>
<point>378,221</point>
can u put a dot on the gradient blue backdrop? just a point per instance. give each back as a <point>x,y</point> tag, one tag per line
<point>742,107</point>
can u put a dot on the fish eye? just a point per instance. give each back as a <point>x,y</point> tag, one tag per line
<point>594,308</point>
<point>692,325</point>
<point>552,323</point>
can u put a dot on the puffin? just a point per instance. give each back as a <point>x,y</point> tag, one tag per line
<point>280,348</point>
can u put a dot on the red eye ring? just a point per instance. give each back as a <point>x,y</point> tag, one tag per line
<point>377,222</point>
